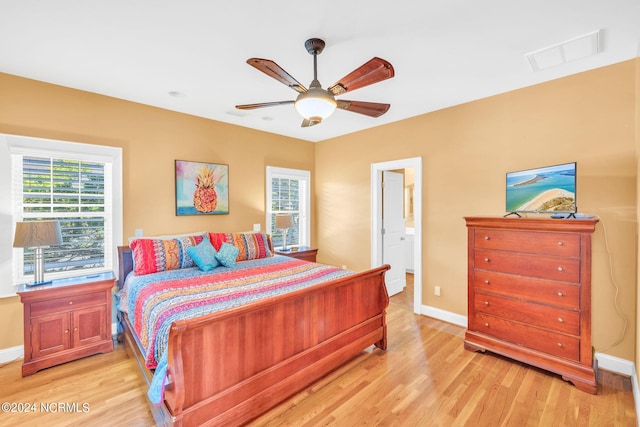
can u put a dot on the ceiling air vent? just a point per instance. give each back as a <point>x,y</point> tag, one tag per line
<point>570,50</point>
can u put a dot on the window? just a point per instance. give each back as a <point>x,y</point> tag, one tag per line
<point>74,184</point>
<point>288,192</point>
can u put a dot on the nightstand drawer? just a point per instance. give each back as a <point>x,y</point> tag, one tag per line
<point>68,303</point>
<point>304,253</point>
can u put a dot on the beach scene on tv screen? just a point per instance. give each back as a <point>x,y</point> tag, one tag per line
<point>547,189</point>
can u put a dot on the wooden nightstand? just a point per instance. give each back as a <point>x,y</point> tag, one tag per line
<point>66,320</point>
<point>304,253</point>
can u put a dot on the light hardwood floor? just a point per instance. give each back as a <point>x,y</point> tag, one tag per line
<point>425,378</point>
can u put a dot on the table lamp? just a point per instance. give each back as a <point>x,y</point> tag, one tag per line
<point>284,222</point>
<point>37,235</point>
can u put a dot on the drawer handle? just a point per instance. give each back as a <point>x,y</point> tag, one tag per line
<point>66,331</point>
<point>487,238</point>
<point>560,345</point>
<point>70,302</point>
<point>560,319</point>
<point>560,244</point>
<point>486,260</point>
<point>486,324</point>
<point>560,294</point>
<point>560,268</point>
<point>486,303</point>
<point>75,329</point>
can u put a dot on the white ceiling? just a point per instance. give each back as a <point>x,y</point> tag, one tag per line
<point>444,52</point>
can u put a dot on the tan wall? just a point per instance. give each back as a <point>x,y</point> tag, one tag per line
<point>466,151</point>
<point>589,118</point>
<point>637,335</point>
<point>151,140</point>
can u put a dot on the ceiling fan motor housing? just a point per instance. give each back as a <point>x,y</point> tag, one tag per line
<point>314,46</point>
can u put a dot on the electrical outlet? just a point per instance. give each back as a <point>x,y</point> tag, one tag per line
<point>139,232</point>
<point>436,291</point>
<point>256,227</point>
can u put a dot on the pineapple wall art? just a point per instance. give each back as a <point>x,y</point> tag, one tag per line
<point>201,188</point>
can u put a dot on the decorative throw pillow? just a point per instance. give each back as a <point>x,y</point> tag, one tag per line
<point>153,255</point>
<point>250,245</point>
<point>227,255</point>
<point>217,239</point>
<point>187,242</point>
<point>204,255</point>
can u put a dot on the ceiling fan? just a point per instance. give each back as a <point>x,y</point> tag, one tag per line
<point>316,104</point>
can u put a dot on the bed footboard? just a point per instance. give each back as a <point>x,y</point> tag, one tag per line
<point>230,367</point>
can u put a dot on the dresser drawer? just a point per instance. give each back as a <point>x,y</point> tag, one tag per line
<point>68,303</point>
<point>553,343</point>
<point>543,316</point>
<point>559,294</point>
<point>543,266</point>
<point>535,242</point>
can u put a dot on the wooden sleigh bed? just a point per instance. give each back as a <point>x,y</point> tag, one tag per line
<point>228,367</point>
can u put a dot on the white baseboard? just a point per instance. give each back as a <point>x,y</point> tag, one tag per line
<point>622,367</point>
<point>616,364</point>
<point>12,353</point>
<point>445,316</point>
<point>636,394</point>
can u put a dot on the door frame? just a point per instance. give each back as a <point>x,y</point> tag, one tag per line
<point>376,219</point>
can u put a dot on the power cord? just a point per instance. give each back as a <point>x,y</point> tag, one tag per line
<point>615,299</point>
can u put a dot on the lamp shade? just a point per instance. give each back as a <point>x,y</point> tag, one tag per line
<point>316,104</point>
<point>284,221</point>
<point>33,234</point>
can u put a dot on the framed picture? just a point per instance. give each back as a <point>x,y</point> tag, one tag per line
<point>201,188</point>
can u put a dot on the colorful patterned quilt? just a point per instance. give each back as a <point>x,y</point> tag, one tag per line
<point>154,301</point>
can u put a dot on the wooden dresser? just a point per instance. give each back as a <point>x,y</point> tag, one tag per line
<point>530,293</point>
<point>66,320</point>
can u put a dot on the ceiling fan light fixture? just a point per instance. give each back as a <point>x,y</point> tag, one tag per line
<point>316,104</point>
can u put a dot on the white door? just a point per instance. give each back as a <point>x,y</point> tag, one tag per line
<point>393,231</point>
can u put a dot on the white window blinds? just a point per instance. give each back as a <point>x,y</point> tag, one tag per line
<point>288,193</point>
<point>75,188</point>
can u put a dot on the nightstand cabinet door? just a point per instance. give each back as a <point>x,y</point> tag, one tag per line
<point>89,326</point>
<point>49,335</point>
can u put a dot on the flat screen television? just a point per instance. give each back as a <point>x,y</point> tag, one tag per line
<point>550,189</point>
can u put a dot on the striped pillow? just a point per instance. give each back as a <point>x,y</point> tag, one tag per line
<point>153,255</point>
<point>250,245</point>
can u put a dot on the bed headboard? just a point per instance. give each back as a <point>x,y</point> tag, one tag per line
<point>125,264</point>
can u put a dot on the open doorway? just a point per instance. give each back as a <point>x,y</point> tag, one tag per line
<point>377,170</point>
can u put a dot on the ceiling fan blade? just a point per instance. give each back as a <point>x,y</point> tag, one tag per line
<point>373,71</point>
<point>372,109</point>
<point>308,123</point>
<point>263,104</point>
<point>272,69</point>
